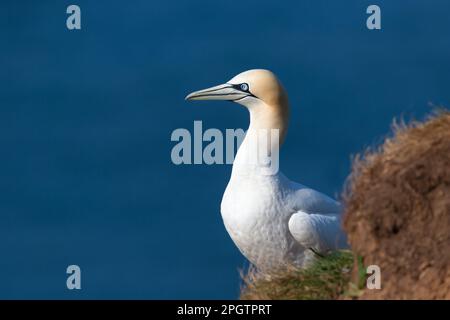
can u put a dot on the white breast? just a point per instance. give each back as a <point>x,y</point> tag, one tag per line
<point>256,215</point>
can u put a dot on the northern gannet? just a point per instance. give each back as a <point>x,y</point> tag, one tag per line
<point>273,221</point>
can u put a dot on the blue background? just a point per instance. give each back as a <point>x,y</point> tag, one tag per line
<point>86,117</point>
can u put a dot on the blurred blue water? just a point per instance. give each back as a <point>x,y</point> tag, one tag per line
<point>86,118</point>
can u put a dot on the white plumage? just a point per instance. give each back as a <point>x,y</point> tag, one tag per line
<point>272,220</point>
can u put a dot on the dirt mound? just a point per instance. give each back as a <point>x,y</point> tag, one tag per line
<point>398,211</point>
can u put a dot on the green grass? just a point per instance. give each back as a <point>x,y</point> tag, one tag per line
<point>328,278</point>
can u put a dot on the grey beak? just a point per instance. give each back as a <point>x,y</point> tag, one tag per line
<point>221,92</point>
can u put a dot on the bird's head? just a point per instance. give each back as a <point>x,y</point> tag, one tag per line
<point>260,91</point>
<point>248,88</point>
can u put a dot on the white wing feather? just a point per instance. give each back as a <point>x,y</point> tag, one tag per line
<point>316,221</point>
<point>319,232</point>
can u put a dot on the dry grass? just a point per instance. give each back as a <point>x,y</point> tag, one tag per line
<point>397,204</point>
<point>328,278</point>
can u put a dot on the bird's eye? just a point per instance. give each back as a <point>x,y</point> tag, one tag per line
<point>244,87</point>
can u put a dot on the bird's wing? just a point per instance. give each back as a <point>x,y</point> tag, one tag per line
<point>311,201</point>
<point>319,232</point>
<point>316,220</point>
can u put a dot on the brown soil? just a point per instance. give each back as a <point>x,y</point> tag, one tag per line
<point>398,211</point>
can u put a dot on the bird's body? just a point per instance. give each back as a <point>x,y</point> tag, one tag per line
<point>273,221</point>
<point>262,211</point>
<point>256,212</point>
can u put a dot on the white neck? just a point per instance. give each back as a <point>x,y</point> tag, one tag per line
<point>259,152</point>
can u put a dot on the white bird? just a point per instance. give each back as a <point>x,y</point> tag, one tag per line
<point>273,221</point>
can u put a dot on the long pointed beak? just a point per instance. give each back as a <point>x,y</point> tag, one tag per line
<point>221,92</point>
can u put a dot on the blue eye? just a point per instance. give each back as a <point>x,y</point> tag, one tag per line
<point>244,87</point>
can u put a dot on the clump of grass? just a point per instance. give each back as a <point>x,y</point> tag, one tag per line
<point>328,278</point>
